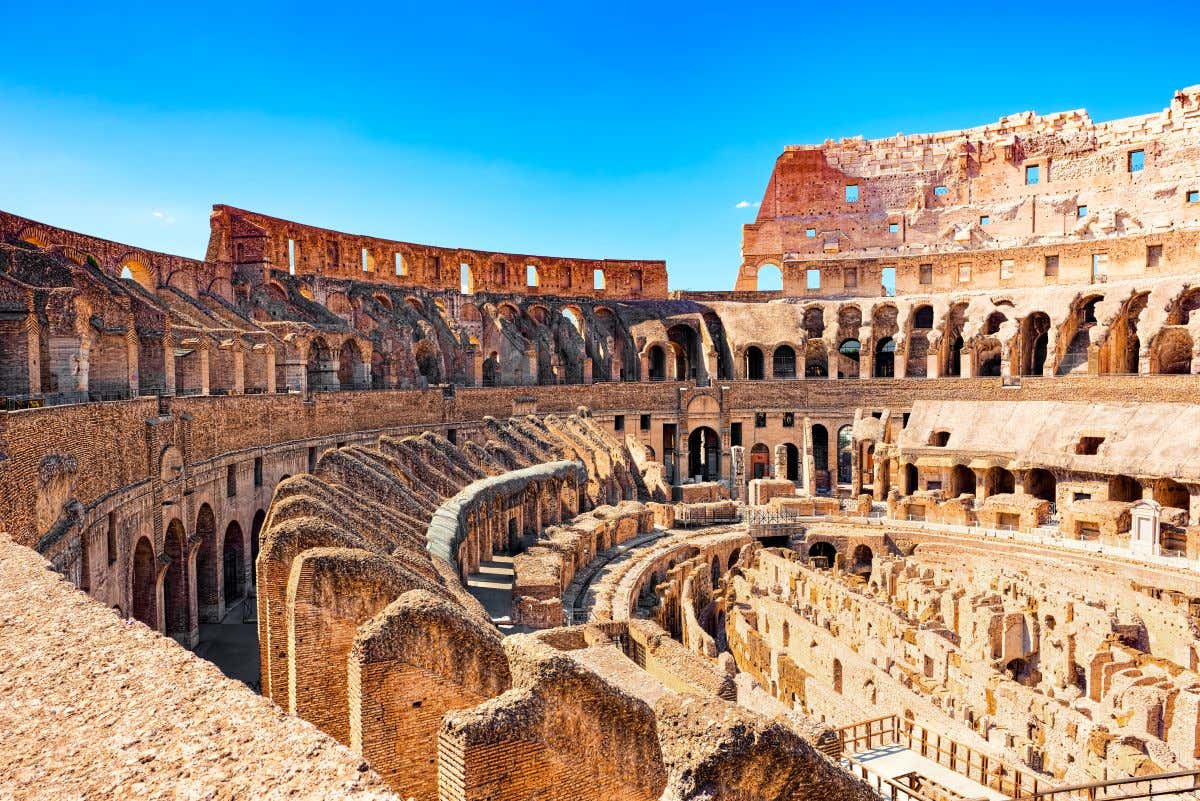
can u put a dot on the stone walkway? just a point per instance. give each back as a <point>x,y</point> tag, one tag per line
<point>492,586</point>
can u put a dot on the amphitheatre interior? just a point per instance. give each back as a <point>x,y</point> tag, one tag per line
<point>331,516</point>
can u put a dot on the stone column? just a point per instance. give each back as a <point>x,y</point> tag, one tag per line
<point>587,371</point>
<point>966,363</point>
<point>168,367</point>
<point>933,365</point>
<point>203,370</point>
<point>737,472</point>
<point>131,360</point>
<point>780,461</point>
<point>269,357</point>
<point>239,371</point>
<point>900,362</point>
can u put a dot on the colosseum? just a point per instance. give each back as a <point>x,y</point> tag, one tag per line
<point>324,515</point>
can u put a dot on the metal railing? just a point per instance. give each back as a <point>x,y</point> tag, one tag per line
<point>1182,784</point>
<point>945,751</point>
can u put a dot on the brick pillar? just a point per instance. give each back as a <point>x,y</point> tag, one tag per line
<point>168,366</point>
<point>900,362</point>
<point>270,368</point>
<point>807,464</point>
<point>587,371</point>
<point>131,359</point>
<point>203,371</point>
<point>933,365</point>
<point>239,371</point>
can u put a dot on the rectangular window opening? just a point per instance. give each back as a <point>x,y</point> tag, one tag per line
<point>1193,196</point>
<point>258,471</point>
<point>1033,174</point>
<point>760,419</point>
<point>813,279</point>
<point>231,481</point>
<point>598,279</point>
<point>1006,268</point>
<point>893,228</point>
<point>925,274</point>
<point>367,262</point>
<point>531,276</point>
<point>401,265</point>
<point>940,191</point>
<point>851,193</point>
<point>619,422</point>
<point>644,422</point>
<point>964,273</point>
<point>789,419</point>
<point>850,277</point>
<point>466,282</point>
<point>811,233</point>
<point>291,257</point>
<point>735,433</point>
<point>985,220</point>
<point>1081,211</point>
<point>1137,160</point>
<point>1099,266</point>
<point>889,281</point>
<point>1153,255</point>
<point>1050,269</point>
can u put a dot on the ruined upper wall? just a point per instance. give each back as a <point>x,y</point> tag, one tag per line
<point>246,237</point>
<point>149,268</point>
<point>1016,191</point>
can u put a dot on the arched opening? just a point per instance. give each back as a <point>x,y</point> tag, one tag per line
<point>320,368</point>
<point>1035,336</point>
<point>792,461</point>
<point>923,318</point>
<point>573,318</point>
<point>1173,352</point>
<point>715,570</point>
<point>686,343</point>
<point>754,363</point>
<point>350,365</point>
<point>911,480</point>
<point>1124,488</point>
<point>1000,481</point>
<point>783,362</point>
<point>466,281</point>
<point>822,554</point>
<point>845,457</point>
<point>769,278</point>
<point>233,564</point>
<point>732,559</point>
<point>962,481</point>
<point>134,270</point>
<point>255,530</point>
<point>208,594</point>
<point>837,676</point>
<point>820,449</point>
<point>816,365</point>
<point>885,358</point>
<point>657,363</point>
<point>988,358</point>
<point>1041,484</point>
<point>862,559</point>
<point>145,584</point>
<point>704,454</point>
<point>1171,493</point>
<point>760,461</point>
<point>848,358</point>
<point>1016,670</point>
<point>954,357</point>
<point>176,595</point>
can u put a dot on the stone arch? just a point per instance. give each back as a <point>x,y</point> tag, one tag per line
<point>1035,338</point>
<point>177,595</point>
<point>1124,488</point>
<point>136,270</point>
<point>849,354</point>
<point>783,362</point>
<point>885,358</point>
<point>704,453</point>
<point>962,481</point>
<point>1171,493</point>
<point>791,461</point>
<point>686,344</point>
<point>351,364</point>
<point>233,564</point>
<point>656,361</point>
<point>999,481</point>
<point>144,583</point>
<point>760,461</point>
<point>861,559</point>
<point>845,456</point>
<point>754,363</point>
<point>256,525</point>
<point>1172,352</point>
<point>823,550</point>
<point>208,566</point>
<point>1188,302</point>
<point>1040,483</point>
<point>773,275</point>
<point>816,363</point>
<point>321,368</point>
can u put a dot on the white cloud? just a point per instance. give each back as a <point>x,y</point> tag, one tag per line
<point>744,204</point>
<point>162,215</point>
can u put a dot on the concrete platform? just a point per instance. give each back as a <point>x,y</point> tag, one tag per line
<point>890,761</point>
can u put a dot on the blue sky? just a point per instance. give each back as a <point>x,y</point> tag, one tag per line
<point>595,130</point>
